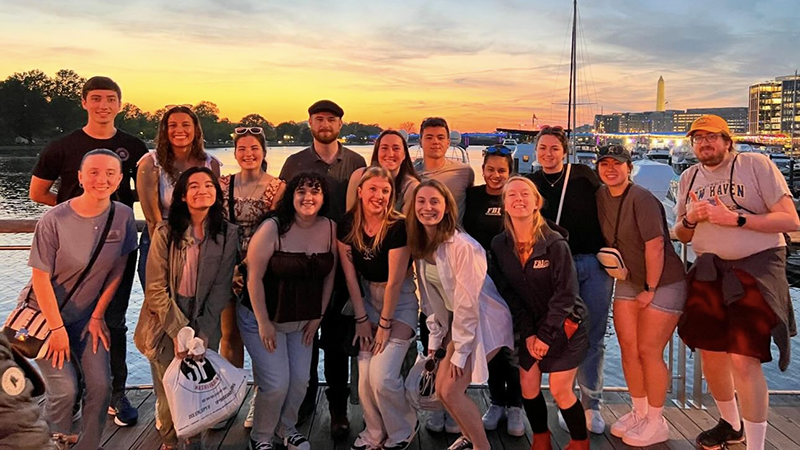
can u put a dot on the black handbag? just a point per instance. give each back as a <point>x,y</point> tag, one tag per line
<point>26,327</point>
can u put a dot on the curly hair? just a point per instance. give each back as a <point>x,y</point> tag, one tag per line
<point>285,211</point>
<point>164,151</point>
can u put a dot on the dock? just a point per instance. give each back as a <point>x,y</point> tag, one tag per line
<point>783,432</point>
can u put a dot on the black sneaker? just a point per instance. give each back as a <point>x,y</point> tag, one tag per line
<point>720,436</point>
<point>404,444</point>
<point>255,445</point>
<point>462,443</point>
<point>124,413</point>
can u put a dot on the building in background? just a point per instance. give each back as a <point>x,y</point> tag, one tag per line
<point>765,104</point>
<point>668,121</point>
<point>735,116</point>
<point>661,101</point>
<point>790,104</point>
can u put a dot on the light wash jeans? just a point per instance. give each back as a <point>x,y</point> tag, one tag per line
<point>63,389</point>
<point>596,287</point>
<point>281,376</point>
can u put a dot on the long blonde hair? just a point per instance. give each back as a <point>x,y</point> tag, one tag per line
<point>356,236</point>
<point>418,241</point>
<point>538,220</point>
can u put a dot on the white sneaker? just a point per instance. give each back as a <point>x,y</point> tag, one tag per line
<point>514,423</point>
<point>296,441</point>
<point>625,423</point>
<point>435,421</point>
<point>450,424</point>
<point>647,432</point>
<point>595,422</point>
<point>251,413</point>
<point>492,417</point>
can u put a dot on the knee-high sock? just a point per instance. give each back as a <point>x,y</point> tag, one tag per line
<point>536,410</point>
<point>576,421</point>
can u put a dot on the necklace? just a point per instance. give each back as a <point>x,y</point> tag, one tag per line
<point>553,183</point>
<point>241,187</point>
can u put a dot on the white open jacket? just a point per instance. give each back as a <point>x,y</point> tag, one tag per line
<point>481,319</point>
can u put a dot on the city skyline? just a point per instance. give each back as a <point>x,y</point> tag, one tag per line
<point>479,64</point>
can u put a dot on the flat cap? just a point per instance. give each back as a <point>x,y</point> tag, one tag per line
<point>326,106</point>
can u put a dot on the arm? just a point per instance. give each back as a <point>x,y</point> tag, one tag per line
<point>352,189</point>
<point>781,218</point>
<point>46,298</point>
<point>40,192</point>
<point>363,327</point>
<point>157,297</point>
<point>97,323</point>
<point>262,245</point>
<point>147,188</point>
<point>398,267</point>
<point>278,196</point>
<point>220,293</point>
<point>565,283</point>
<point>654,265</point>
<point>469,272</point>
<point>215,166</point>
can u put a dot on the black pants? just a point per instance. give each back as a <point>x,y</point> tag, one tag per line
<point>504,387</point>
<point>115,320</point>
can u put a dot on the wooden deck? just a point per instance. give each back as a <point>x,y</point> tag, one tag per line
<point>783,432</point>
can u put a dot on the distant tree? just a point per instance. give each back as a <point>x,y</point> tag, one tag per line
<point>304,134</point>
<point>288,132</point>
<point>409,127</point>
<point>257,120</point>
<point>65,109</point>
<point>23,106</point>
<point>359,131</point>
<point>137,122</point>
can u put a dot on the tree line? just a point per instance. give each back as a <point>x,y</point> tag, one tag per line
<point>35,107</point>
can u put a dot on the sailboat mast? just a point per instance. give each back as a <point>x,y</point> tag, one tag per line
<point>572,105</point>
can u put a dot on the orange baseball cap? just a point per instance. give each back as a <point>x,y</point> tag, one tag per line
<point>710,123</point>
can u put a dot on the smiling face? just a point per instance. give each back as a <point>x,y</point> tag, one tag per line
<point>709,153</point>
<point>550,153</point>
<point>102,106</point>
<point>180,130</point>
<point>495,172</point>
<point>375,194</point>
<point>325,127</point>
<point>613,173</point>
<point>435,141</point>
<point>391,153</point>
<point>249,153</point>
<point>429,206</point>
<point>308,200</point>
<point>201,193</point>
<point>520,201</point>
<point>100,176</point>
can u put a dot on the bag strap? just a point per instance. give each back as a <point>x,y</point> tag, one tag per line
<point>96,253</point>
<point>730,186</point>
<point>563,194</point>
<point>231,201</point>
<point>619,214</point>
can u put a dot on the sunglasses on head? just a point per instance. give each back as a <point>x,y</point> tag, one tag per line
<point>549,129</point>
<point>171,107</point>
<point>498,149</point>
<point>251,130</point>
<point>613,150</point>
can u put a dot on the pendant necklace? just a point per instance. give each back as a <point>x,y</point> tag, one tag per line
<point>553,183</point>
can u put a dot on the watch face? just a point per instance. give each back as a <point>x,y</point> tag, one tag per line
<point>741,220</point>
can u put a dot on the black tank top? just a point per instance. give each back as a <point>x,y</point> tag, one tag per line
<point>293,284</point>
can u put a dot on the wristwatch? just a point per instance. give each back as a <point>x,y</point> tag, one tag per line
<point>648,288</point>
<point>741,220</point>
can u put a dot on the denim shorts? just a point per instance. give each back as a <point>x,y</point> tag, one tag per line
<point>670,298</point>
<point>407,309</point>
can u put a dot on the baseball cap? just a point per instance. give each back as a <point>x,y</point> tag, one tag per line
<point>617,152</point>
<point>326,106</point>
<point>710,123</point>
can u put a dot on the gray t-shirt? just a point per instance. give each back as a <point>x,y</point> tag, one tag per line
<point>642,219</point>
<point>757,185</point>
<point>62,245</point>
<point>456,176</point>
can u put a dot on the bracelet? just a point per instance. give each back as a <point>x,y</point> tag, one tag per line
<point>362,319</point>
<point>58,328</point>
<point>686,224</point>
<point>388,320</point>
<point>97,318</point>
<point>385,328</point>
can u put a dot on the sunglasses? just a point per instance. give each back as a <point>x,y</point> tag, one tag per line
<point>613,150</point>
<point>548,129</point>
<point>251,130</point>
<point>171,107</point>
<point>498,149</point>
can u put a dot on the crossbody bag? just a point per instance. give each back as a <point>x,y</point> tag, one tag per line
<point>610,257</point>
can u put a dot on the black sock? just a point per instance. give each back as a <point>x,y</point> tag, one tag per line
<point>576,421</point>
<point>536,410</point>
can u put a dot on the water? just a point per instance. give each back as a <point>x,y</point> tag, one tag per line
<point>14,272</point>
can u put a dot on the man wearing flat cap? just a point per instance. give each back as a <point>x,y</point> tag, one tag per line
<point>733,207</point>
<point>327,156</point>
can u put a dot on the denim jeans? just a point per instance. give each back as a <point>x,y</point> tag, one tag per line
<point>596,287</point>
<point>115,320</point>
<point>63,389</point>
<point>281,376</point>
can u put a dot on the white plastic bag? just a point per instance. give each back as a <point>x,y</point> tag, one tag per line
<point>201,393</point>
<point>419,385</point>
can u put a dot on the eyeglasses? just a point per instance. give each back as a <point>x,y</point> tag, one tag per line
<point>613,150</point>
<point>171,107</point>
<point>498,149</point>
<point>710,138</point>
<point>251,130</point>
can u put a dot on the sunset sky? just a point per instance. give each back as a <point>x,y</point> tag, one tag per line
<point>480,64</point>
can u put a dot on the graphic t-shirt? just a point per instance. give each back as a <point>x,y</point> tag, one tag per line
<point>62,159</point>
<point>483,215</point>
<point>374,265</point>
<point>757,185</point>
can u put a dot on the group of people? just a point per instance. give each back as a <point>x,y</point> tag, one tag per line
<point>503,277</point>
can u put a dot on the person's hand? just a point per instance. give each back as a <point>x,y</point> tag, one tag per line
<point>238,281</point>
<point>381,340</point>
<point>696,210</point>
<point>99,331</point>
<point>309,331</point>
<point>266,331</point>
<point>719,214</point>
<point>455,371</point>
<point>58,347</point>
<point>536,347</point>
<point>179,354</point>
<point>363,337</point>
<point>644,298</point>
